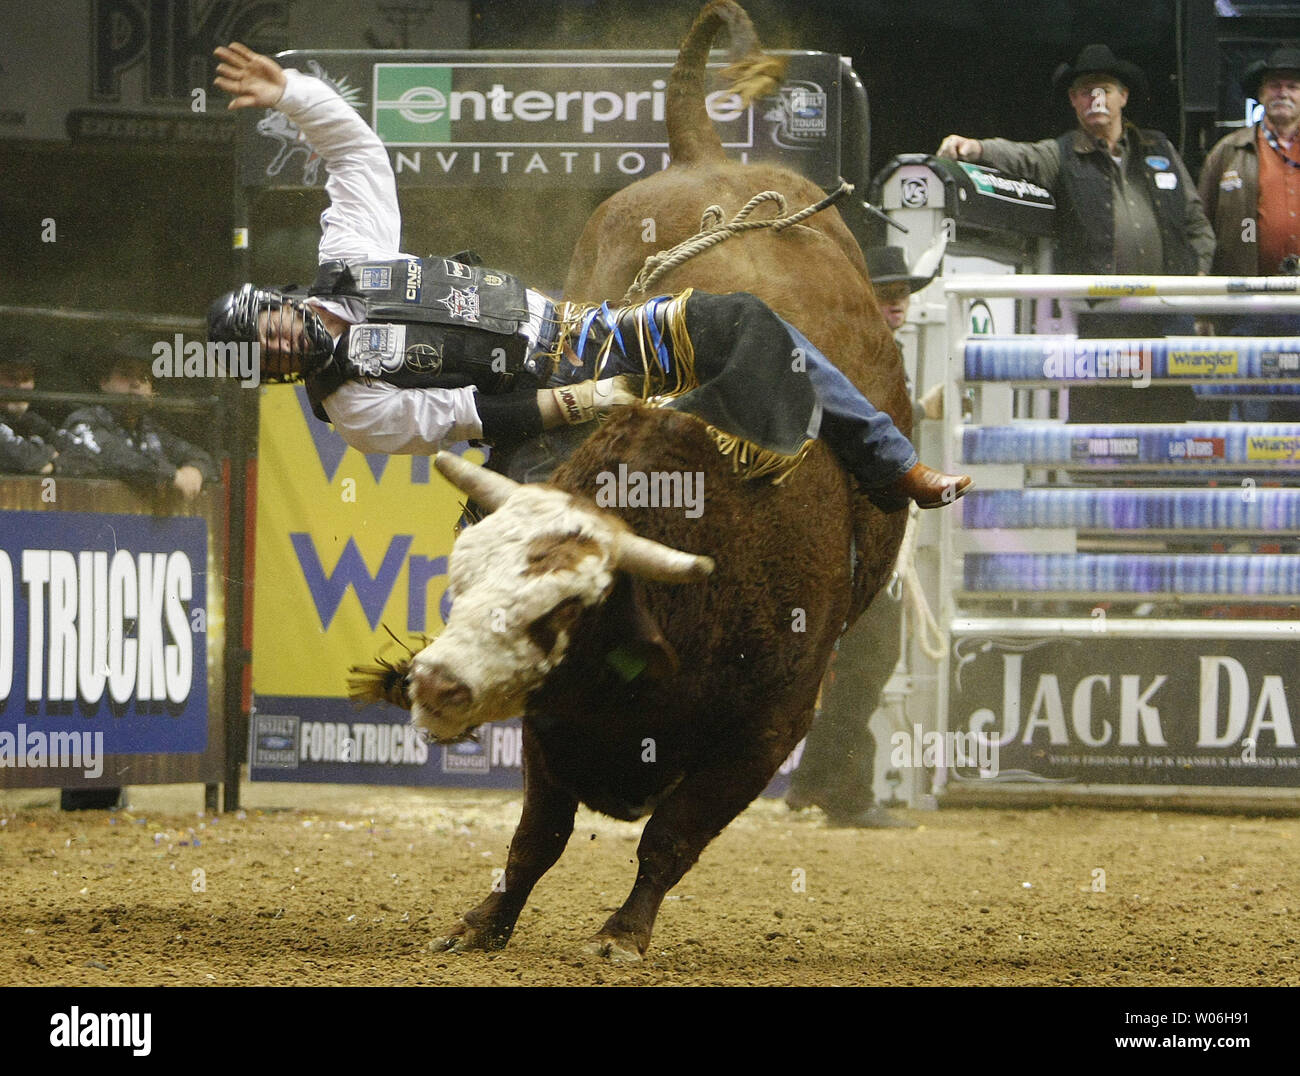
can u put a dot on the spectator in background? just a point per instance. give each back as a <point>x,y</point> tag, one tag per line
<point>1251,180</point>
<point>29,444</point>
<point>128,443</point>
<point>1251,188</point>
<point>1125,204</point>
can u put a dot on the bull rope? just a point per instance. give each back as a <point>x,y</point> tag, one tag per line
<point>929,636</point>
<point>714,228</point>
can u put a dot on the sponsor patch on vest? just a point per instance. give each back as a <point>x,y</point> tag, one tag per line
<point>456,269</point>
<point>426,358</point>
<point>376,349</point>
<point>493,279</point>
<point>1231,180</point>
<point>1166,181</point>
<point>1158,163</point>
<point>414,280</point>
<point>463,303</point>
<point>376,278</point>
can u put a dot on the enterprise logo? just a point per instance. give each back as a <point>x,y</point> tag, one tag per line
<point>535,104</point>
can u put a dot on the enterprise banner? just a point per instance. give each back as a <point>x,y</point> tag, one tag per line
<point>535,119</point>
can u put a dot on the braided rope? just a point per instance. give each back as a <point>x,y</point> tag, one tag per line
<point>714,229</point>
<point>927,632</point>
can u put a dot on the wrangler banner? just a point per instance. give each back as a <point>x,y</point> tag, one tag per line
<point>349,548</point>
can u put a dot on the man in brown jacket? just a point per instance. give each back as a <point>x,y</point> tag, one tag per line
<point>1251,189</point>
<point>1251,180</point>
<point>1125,204</point>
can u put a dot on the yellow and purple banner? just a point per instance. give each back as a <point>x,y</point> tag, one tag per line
<point>349,547</point>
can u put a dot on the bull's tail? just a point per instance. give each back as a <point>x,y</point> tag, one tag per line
<point>691,137</point>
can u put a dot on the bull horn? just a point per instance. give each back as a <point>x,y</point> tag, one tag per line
<point>487,488</point>
<point>662,563</point>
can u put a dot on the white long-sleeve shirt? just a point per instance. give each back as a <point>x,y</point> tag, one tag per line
<point>363,222</point>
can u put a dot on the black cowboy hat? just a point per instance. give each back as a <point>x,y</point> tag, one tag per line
<point>888,265</point>
<point>1099,60</point>
<point>1284,59</point>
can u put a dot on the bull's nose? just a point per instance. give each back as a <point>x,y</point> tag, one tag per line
<point>437,688</point>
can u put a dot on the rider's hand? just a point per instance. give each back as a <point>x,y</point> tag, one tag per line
<point>585,400</point>
<point>254,80</point>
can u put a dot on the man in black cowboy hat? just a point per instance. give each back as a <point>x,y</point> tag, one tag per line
<point>893,283</point>
<point>1251,180</point>
<point>1125,202</point>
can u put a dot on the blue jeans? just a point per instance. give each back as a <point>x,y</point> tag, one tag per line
<point>866,441</point>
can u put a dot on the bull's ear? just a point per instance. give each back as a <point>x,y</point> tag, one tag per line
<point>639,647</point>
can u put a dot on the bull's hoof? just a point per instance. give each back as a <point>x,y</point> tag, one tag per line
<point>464,938</point>
<point>615,950</point>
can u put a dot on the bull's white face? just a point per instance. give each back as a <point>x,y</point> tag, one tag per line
<point>520,579</point>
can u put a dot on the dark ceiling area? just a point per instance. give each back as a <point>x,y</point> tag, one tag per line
<point>931,67</point>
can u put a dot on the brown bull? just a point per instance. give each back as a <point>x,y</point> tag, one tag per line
<point>813,274</point>
<point>665,664</point>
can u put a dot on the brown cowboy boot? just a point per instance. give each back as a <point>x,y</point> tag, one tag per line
<point>930,488</point>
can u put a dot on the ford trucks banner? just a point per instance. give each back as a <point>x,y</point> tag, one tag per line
<point>524,119</point>
<point>1132,711</point>
<point>103,632</point>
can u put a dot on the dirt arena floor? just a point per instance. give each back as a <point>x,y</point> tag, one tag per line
<point>315,885</point>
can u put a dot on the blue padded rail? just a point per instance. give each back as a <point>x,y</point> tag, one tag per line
<point>1184,358</point>
<point>1223,574</point>
<point>1192,445</point>
<point>1271,390</point>
<point>1232,508</point>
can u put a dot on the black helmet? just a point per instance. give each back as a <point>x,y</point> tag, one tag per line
<point>235,316</point>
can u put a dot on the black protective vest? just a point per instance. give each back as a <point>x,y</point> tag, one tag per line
<point>429,323</point>
<point>1085,210</point>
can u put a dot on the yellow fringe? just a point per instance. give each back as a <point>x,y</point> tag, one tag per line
<point>750,461</point>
